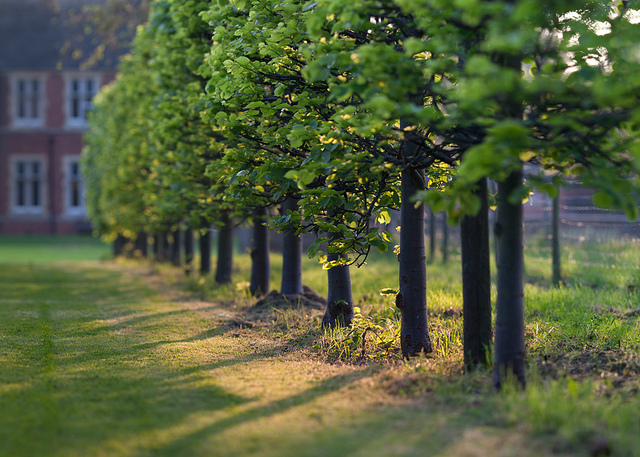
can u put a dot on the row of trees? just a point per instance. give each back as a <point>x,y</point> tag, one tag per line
<point>336,113</point>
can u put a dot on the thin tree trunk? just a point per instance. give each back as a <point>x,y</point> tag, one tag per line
<point>119,245</point>
<point>188,250</point>
<point>445,238</point>
<point>555,241</point>
<point>161,253</point>
<point>509,336</point>
<point>432,236</point>
<point>339,309</point>
<point>260,261</point>
<point>291,256</point>
<point>476,283</point>
<point>224,264</point>
<point>154,247</point>
<point>176,256</point>
<point>205,252</point>
<point>412,297</point>
<point>141,245</point>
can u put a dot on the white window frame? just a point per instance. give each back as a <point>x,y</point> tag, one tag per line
<point>79,97</point>
<point>22,111</point>
<point>68,187</point>
<point>27,161</point>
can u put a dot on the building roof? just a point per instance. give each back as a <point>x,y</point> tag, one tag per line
<point>41,35</point>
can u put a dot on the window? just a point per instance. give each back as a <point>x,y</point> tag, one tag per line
<point>80,99</point>
<point>74,198</point>
<point>28,110</point>
<point>28,186</point>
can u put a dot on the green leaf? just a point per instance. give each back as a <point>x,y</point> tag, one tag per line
<point>384,217</point>
<point>602,199</point>
<point>388,291</point>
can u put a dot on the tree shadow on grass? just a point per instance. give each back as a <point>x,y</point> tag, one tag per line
<point>76,385</point>
<point>321,389</point>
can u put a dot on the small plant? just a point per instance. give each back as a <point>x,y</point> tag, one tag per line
<point>374,337</point>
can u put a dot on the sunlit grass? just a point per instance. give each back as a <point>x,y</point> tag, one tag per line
<point>94,362</point>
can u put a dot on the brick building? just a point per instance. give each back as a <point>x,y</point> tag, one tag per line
<point>46,88</point>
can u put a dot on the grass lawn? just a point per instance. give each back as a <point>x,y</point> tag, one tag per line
<point>124,359</point>
<point>55,248</point>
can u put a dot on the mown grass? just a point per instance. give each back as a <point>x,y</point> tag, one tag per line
<point>53,248</point>
<point>95,362</point>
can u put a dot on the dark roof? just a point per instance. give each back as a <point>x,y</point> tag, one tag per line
<point>50,35</point>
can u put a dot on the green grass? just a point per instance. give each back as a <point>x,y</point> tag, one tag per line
<point>107,359</point>
<point>54,248</point>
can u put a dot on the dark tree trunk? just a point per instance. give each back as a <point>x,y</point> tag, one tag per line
<point>176,256</point>
<point>445,238</point>
<point>339,309</point>
<point>260,261</point>
<point>167,247</point>
<point>432,236</point>
<point>555,241</point>
<point>188,250</point>
<point>118,245</point>
<point>476,283</point>
<point>291,256</point>
<point>412,297</point>
<point>141,245</point>
<point>509,337</point>
<point>161,247</point>
<point>224,263</point>
<point>154,246</point>
<point>205,252</point>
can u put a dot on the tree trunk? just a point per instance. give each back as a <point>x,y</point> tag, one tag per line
<point>291,256</point>
<point>161,247</point>
<point>339,309</point>
<point>445,238</point>
<point>118,245</point>
<point>509,337</point>
<point>555,241</point>
<point>188,250</point>
<point>141,245</point>
<point>476,284</point>
<point>205,252</point>
<point>167,247</point>
<point>432,236</point>
<point>176,248</point>
<point>224,264</point>
<point>260,262</point>
<point>412,297</point>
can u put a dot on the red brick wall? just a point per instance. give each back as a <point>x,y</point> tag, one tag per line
<point>4,100</point>
<point>55,91</point>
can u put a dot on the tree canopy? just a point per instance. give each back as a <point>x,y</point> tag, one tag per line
<point>353,109</point>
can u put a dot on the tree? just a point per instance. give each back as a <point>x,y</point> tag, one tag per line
<point>572,121</point>
<point>278,126</point>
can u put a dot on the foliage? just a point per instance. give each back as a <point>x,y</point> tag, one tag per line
<point>571,74</point>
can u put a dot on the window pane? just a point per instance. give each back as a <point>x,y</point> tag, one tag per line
<point>34,99</point>
<point>22,99</point>
<point>75,194</point>
<point>20,198</point>
<point>35,196</point>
